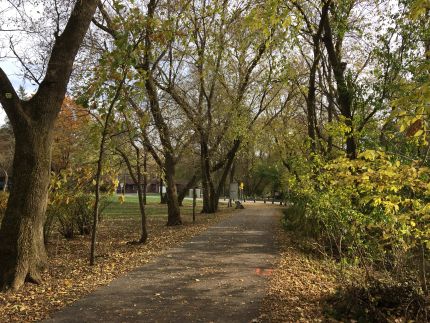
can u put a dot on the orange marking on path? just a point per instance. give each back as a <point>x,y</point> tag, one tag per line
<point>263,271</point>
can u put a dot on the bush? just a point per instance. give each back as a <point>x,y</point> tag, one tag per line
<point>379,301</point>
<point>371,212</point>
<point>82,213</point>
<point>73,215</point>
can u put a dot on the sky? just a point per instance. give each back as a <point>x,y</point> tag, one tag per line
<point>13,71</point>
<point>8,63</point>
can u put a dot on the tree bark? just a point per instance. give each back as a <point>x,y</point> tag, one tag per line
<point>6,180</point>
<point>162,199</point>
<point>145,176</point>
<point>22,251</point>
<point>141,192</point>
<point>173,211</point>
<point>207,184</point>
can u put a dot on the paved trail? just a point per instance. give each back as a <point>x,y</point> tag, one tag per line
<point>218,276</point>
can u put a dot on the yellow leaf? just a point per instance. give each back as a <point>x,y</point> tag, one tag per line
<point>418,133</point>
<point>121,198</point>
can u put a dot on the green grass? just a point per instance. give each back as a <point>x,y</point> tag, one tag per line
<point>130,207</point>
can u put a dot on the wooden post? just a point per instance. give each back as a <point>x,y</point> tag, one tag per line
<point>194,204</point>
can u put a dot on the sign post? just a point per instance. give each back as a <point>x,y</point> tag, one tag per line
<point>194,204</point>
<point>233,193</point>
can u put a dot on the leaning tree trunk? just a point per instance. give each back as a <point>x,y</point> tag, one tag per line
<point>173,210</point>
<point>229,163</point>
<point>191,183</point>
<point>22,250</point>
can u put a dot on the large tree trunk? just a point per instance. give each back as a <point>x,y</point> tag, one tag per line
<point>22,250</point>
<point>207,184</point>
<point>173,210</point>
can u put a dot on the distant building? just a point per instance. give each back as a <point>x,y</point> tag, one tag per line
<point>127,185</point>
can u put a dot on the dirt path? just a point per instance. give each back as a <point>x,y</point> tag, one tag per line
<point>219,276</point>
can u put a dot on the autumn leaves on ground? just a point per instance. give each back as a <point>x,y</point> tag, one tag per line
<point>70,277</point>
<point>304,285</point>
<point>297,287</point>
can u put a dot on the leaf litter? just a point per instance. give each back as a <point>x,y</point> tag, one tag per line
<point>69,276</point>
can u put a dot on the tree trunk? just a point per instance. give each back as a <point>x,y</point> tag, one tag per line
<point>6,181</point>
<point>207,184</point>
<point>137,180</point>
<point>310,100</point>
<point>344,91</point>
<point>230,159</point>
<point>173,210</point>
<point>96,210</point>
<point>330,111</point>
<point>145,176</point>
<point>191,183</point>
<point>162,197</point>
<point>22,250</point>
<point>141,195</point>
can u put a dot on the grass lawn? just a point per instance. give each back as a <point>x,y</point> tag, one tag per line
<point>130,207</point>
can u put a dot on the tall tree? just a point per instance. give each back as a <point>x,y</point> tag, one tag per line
<point>333,41</point>
<point>137,32</point>
<point>22,251</point>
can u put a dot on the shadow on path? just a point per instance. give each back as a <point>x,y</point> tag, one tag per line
<point>218,276</point>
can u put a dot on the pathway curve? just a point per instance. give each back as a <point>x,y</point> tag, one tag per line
<point>218,276</point>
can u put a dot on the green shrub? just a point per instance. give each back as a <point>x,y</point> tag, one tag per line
<point>371,212</point>
<point>73,215</point>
